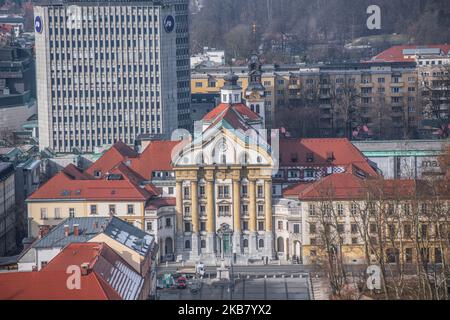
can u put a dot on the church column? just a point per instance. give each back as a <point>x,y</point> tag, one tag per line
<point>252,248</point>
<point>179,241</point>
<point>210,225</point>
<point>268,241</point>
<point>195,220</point>
<point>236,216</point>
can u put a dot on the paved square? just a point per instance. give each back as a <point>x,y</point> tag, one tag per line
<point>244,289</point>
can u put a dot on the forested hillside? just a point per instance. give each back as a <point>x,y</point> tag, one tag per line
<point>314,29</point>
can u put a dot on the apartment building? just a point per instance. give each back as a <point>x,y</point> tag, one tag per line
<point>398,221</point>
<point>360,100</point>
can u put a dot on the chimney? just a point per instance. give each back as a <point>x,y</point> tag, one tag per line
<point>84,269</point>
<point>76,230</point>
<point>66,230</point>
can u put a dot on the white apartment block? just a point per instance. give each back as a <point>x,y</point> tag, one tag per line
<point>106,72</point>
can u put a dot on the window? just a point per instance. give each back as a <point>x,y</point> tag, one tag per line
<point>202,244</point>
<point>224,192</point>
<point>260,226</point>
<point>340,209</point>
<point>224,211</point>
<point>260,210</point>
<point>57,213</point>
<point>130,209</point>
<point>168,222</point>
<point>408,255</point>
<point>170,191</point>
<point>187,227</point>
<point>354,240</point>
<point>245,243</point>
<point>354,228</point>
<point>373,228</point>
<point>202,226</point>
<point>186,192</point>
<point>44,215</point>
<point>245,210</point>
<point>407,231</point>
<point>261,243</point>
<point>391,229</point>
<point>71,212</point>
<point>340,228</point>
<point>245,225</point>
<point>202,191</point>
<point>353,209</point>
<point>296,228</point>
<point>424,231</point>
<point>187,244</point>
<point>93,209</point>
<point>149,226</point>
<point>244,190</point>
<point>437,255</point>
<point>312,228</point>
<point>260,191</point>
<point>202,210</point>
<point>198,84</point>
<point>112,209</point>
<point>312,210</point>
<point>280,225</point>
<point>187,211</point>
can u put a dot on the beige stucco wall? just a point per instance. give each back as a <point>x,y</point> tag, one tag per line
<point>82,209</point>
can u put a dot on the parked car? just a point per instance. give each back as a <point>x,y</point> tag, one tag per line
<point>181,283</point>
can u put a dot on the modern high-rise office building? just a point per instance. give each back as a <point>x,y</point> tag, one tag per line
<point>183,62</point>
<point>108,71</point>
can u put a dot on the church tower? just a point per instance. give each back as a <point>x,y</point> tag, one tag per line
<point>255,94</point>
<point>231,92</point>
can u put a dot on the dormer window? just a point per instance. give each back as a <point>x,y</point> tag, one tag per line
<point>330,156</point>
<point>97,173</point>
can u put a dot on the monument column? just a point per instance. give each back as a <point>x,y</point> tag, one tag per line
<point>179,218</point>
<point>268,241</point>
<point>195,220</point>
<point>252,248</point>
<point>210,224</point>
<point>237,216</point>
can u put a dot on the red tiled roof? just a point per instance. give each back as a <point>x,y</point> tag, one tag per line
<point>235,114</point>
<point>293,152</point>
<point>156,157</point>
<point>395,54</point>
<point>160,202</point>
<point>52,286</point>
<point>62,186</point>
<point>117,153</point>
<point>347,186</point>
<point>109,277</point>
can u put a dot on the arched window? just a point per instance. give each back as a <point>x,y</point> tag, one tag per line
<point>261,243</point>
<point>187,244</point>
<point>244,158</point>
<point>252,107</point>
<point>257,108</point>
<point>245,243</point>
